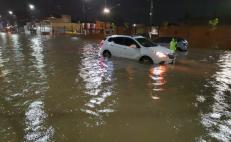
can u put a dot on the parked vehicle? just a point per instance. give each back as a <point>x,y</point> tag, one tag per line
<point>182,44</point>
<point>137,48</point>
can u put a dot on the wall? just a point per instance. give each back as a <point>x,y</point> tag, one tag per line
<point>67,27</point>
<point>201,36</point>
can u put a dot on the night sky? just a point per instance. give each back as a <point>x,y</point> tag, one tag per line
<point>133,11</point>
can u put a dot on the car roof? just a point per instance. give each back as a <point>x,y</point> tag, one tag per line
<point>125,36</point>
<point>137,36</point>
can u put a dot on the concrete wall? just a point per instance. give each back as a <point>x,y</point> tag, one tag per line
<point>201,36</point>
<point>66,27</point>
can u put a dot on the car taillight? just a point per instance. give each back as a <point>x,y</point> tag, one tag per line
<point>101,44</point>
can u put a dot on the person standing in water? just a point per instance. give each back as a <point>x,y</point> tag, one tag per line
<point>173,45</point>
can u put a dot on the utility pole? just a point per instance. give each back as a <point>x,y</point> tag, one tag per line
<point>151,11</point>
<point>83,11</point>
<point>106,12</point>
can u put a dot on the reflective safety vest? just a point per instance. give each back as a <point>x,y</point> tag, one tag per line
<point>173,45</point>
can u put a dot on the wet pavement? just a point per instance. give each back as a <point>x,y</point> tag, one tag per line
<point>58,89</point>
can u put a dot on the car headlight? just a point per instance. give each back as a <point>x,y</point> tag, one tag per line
<point>161,55</point>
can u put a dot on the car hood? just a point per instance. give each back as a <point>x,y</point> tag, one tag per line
<point>161,49</point>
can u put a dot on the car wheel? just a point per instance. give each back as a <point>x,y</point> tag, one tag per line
<point>146,60</point>
<point>107,54</point>
<point>180,49</point>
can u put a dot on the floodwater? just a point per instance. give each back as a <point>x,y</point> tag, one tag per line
<point>58,89</point>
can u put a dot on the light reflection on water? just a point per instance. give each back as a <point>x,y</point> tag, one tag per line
<point>218,120</point>
<point>1,63</point>
<point>157,75</point>
<point>36,129</point>
<point>37,49</point>
<point>35,119</point>
<point>97,74</point>
<point>3,38</point>
<point>3,71</point>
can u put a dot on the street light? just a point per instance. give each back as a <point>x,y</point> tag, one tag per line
<point>10,12</point>
<point>31,6</point>
<point>106,10</point>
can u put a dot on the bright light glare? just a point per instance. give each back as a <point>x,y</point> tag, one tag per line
<point>106,10</point>
<point>161,55</point>
<point>31,6</point>
<point>10,12</point>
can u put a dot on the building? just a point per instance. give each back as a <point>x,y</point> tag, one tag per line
<point>61,25</point>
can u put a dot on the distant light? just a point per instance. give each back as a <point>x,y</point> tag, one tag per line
<point>31,6</point>
<point>134,25</point>
<point>154,31</point>
<point>106,10</point>
<point>118,4</point>
<point>8,27</point>
<point>10,12</point>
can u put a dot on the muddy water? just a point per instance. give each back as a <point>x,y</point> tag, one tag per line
<point>58,89</point>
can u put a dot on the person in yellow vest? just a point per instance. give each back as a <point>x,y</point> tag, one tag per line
<point>173,45</point>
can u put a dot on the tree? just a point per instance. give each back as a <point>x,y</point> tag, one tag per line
<point>214,22</point>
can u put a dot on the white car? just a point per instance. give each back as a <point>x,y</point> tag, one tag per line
<point>138,48</point>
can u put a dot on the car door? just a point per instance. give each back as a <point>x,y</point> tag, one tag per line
<point>131,48</point>
<point>116,46</point>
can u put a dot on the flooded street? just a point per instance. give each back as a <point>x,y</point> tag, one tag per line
<point>58,89</point>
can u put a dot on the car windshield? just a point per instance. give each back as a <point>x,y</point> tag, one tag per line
<point>145,42</point>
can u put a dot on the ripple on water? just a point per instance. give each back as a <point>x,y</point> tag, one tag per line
<point>35,119</point>
<point>96,75</point>
<point>201,99</point>
<point>217,122</point>
<point>24,86</point>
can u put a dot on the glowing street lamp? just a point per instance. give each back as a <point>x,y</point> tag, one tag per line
<point>106,10</point>
<point>31,6</point>
<point>10,12</point>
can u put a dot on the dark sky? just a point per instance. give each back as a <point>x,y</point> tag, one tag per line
<point>133,11</point>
